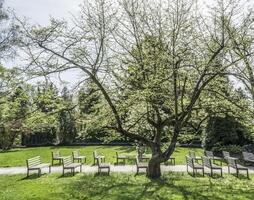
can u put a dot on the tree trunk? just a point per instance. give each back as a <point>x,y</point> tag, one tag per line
<point>154,169</point>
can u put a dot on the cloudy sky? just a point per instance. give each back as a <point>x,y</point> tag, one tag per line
<point>39,12</point>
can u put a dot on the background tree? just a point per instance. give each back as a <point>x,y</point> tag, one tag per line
<point>13,114</point>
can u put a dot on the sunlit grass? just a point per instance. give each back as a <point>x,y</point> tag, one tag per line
<point>17,157</point>
<point>124,186</point>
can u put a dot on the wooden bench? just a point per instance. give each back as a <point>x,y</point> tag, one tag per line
<point>102,166</point>
<point>232,162</point>
<point>144,157</point>
<point>226,155</point>
<point>192,154</point>
<point>207,162</point>
<point>172,161</point>
<point>56,156</point>
<point>78,157</point>
<point>141,165</point>
<point>69,164</point>
<point>190,162</point>
<point>210,155</point>
<point>35,163</point>
<point>96,157</point>
<point>248,157</point>
<point>121,158</point>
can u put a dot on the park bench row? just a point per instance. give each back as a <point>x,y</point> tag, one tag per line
<point>192,161</point>
<point>68,162</point>
<point>208,161</point>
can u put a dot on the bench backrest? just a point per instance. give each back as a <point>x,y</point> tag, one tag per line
<point>231,162</point>
<point>225,154</point>
<point>189,161</point>
<point>67,160</point>
<point>207,161</point>
<point>98,161</point>
<point>209,153</point>
<point>75,154</point>
<point>95,155</point>
<point>33,161</point>
<point>56,154</point>
<point>137,160</point>
<point>248,156</point>
<point>192,154</point>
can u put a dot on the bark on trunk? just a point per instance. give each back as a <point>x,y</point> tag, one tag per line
<point>154,169</point>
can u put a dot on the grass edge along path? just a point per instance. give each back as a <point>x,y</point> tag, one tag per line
<point>17,157</point>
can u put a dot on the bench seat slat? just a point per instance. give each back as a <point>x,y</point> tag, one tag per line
<point>43,165</point>
<point>198,166</point>
<point>72,165</point>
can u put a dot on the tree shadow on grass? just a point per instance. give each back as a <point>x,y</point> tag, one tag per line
<point>170,186</point>
<point>9,151</point>
<point>240,176</point>
<point>139,187</point>
<point>32,177</point>
<point>68,175</point>
<point>195,175</point>
<point>101,174</point>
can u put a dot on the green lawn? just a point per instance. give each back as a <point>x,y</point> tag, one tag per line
<point>124,186</point>
<point>17,157</point>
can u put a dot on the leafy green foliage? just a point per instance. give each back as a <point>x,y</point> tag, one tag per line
<point>15,108</point>
<point>234,149</point>
<point>223,131</point>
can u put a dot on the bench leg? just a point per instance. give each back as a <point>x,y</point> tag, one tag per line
<point>211,172</point>
<point>203,172</point>
<point>63,171</point>
<point>39,172</point>
<point>49,169</point>
<point>73,171</point>
<point>248,174</point>
<point>27,173</point>
<point>80,168</point>
<point>221,172</point>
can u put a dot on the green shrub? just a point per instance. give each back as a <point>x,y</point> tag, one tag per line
<point>224,131</point>
<point>234,149</point>
<point>186,138</point>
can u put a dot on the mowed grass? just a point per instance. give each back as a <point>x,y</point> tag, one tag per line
<point>17,157</point>
<point>125,186</point>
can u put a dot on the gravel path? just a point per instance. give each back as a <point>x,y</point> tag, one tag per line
<point>93,169</point>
